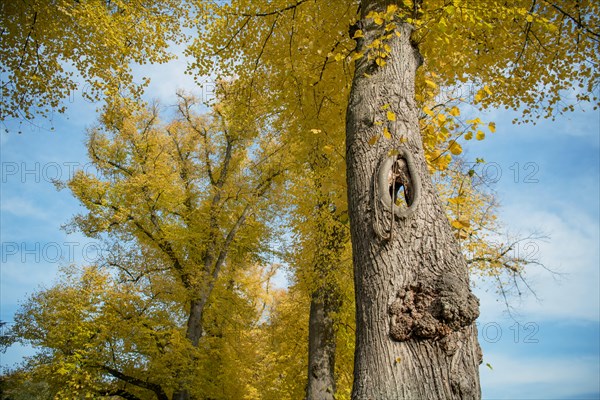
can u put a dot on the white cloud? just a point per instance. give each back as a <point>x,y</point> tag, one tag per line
<point>21,279</point>
<point>572,250</point>
<point>23,208</point>
<point>539,377</point>
<point>166,79</point>
<point>15,354</point>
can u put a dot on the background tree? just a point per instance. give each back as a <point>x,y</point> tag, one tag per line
<point>45,43</point>
<point>320,264</point>
<point>118,332</point>
<point>190,197</point>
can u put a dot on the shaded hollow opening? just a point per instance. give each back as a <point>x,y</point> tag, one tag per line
<point>399,184</point>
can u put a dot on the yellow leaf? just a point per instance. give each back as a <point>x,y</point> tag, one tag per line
<point>391,116</point>
<point>373,140</point>
<point>386,133</point>
<point>455,111</point>
<point>385,106</point>
<point>397,33</point>
<point>460,224</point>
<point>378,20</point>
<point>487,90</point>
<point>380,61</point>
<point>441,117</point>
<point>475,121</point>
<point>457,200</point>
<point>358,34</point>
<point>339,57</point>
<point>315,131</point>
<point>392,8</point>
<point>480,135</point>
<point>468,135</point>
<point>430,83</point>
<point>455,148</point>
<point>428,111</point>
<point>327,149</point>
<point>443,162</point>
<point>390,27</point>
<point>403,139</point>
<point>478,96</point>
<point>492,127</point>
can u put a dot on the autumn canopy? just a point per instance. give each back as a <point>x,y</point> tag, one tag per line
<point>313,97</point>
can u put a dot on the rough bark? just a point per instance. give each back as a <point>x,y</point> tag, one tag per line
<point>321,348</point>
<point>415,313</point>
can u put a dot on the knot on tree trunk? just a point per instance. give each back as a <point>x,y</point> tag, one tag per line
<point>396,192</point>
<point>432,311</point>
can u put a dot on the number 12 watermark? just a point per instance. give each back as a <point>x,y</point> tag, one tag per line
<point>491,332</point>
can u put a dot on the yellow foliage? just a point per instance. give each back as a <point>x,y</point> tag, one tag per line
<point>42,40</point>
<point>489,53</point>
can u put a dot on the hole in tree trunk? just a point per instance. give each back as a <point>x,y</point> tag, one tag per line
<point>400,185</point>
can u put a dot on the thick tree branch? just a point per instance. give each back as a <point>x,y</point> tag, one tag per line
<point>157,389</point>
<point>228,240</point>
<point>184,110</point>
<point>112,163</point>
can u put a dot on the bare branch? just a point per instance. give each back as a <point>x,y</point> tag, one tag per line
<point>276,12</point>
<point>577,21</point>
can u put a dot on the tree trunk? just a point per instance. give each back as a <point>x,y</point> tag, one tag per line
<point>331,238</point>
<point>321,347</point>
<point>415,313</point>
<point>193,334</point>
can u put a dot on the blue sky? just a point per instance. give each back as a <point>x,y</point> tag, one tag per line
<point>548,349</point>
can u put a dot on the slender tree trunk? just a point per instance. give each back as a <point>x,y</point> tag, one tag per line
<point>331,240</point>
<point>321,347</point>
<point>194,324</point>
<point>415,313</point>
<point>193,334</point>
